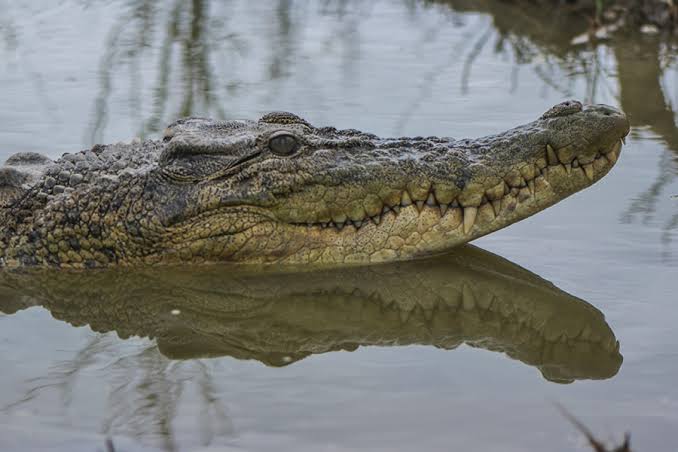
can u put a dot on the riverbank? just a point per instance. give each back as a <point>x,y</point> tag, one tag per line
<point>648,16</point>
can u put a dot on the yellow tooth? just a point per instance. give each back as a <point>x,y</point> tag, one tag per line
<point>470,214</point>
<point>568,167</point>
<point>486,213</point>
<point>405,200</point>
<point>588,169</point>
<point>614,153</point>
<point>530,185</point>
<point>600,163</point>
<point>617,147</point>
<point>528,171</point>
<point>524,194</point>
<point>404,315</point>
<point>540,183</point>
<point>496,205</point>
<point>551,155</point>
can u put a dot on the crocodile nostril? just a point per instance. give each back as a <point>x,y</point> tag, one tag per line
<point>566,108</point>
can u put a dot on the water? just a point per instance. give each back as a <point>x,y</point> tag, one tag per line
<point>198,361</point>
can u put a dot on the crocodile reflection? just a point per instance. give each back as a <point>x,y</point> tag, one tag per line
<point>469,297</point>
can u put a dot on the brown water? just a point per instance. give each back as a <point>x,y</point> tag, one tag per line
<point>464,352</point>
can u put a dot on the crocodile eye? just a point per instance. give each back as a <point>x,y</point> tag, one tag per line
<point>283,143</point>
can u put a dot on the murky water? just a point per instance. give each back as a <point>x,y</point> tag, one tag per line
<point>464,352</point>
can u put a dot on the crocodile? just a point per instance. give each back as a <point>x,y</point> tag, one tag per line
<point>279,190</point>
<point>280,316</point>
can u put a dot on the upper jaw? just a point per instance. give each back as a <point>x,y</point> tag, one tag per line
<point>563,153</point>
<point>584,134</point>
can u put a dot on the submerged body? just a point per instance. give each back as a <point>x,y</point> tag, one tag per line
<point>279,190</point>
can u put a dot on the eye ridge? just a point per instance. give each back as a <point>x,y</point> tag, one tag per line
<point>283,143</point>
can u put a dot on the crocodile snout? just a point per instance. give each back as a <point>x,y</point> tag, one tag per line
<point>613,117</point>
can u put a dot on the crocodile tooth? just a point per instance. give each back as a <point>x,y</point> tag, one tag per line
<point>496,205</point>
<point>614,152</point>
<point>396,209</point>
<point>612,157</point>
<point>528,171</point>
<point>454,204</point>
<point>406,200</point>
<point>428,314</point>
<point>358,224</point>
<point>568,167</point>
<point>575,163</point>
<point>404,315</point>
<point>420,205</point>
<point>530,185</point>
<point>431,200</point>
<point>588,169</point>
<point>487,211</point>
<point>323,225</point>
<point>551,155</point>
<point>470,214</point>
<point>443,209</point>
<point>468,298</point>
<point>585,333</point>
<point>339,226</point>
<point>386,209</point>
<point>623,140</point>
<point>376,219</point>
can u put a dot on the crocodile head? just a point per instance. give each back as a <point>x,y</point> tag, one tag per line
<point>281,190</point>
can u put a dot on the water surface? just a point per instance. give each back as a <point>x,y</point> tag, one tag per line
<point>466,352</point>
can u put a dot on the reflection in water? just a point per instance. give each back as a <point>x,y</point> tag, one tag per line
<point>184,52</point>
<point>8,34</point>
<point>641,70</point>
<point>469,297</point>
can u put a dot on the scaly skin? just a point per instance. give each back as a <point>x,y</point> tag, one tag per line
<point>468,296</point>
<point>281,191</point>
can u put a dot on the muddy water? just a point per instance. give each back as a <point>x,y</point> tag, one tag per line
<point>472,351</point>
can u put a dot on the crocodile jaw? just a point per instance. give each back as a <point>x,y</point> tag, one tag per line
<point>415,211</point>
<point>413,229</point>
